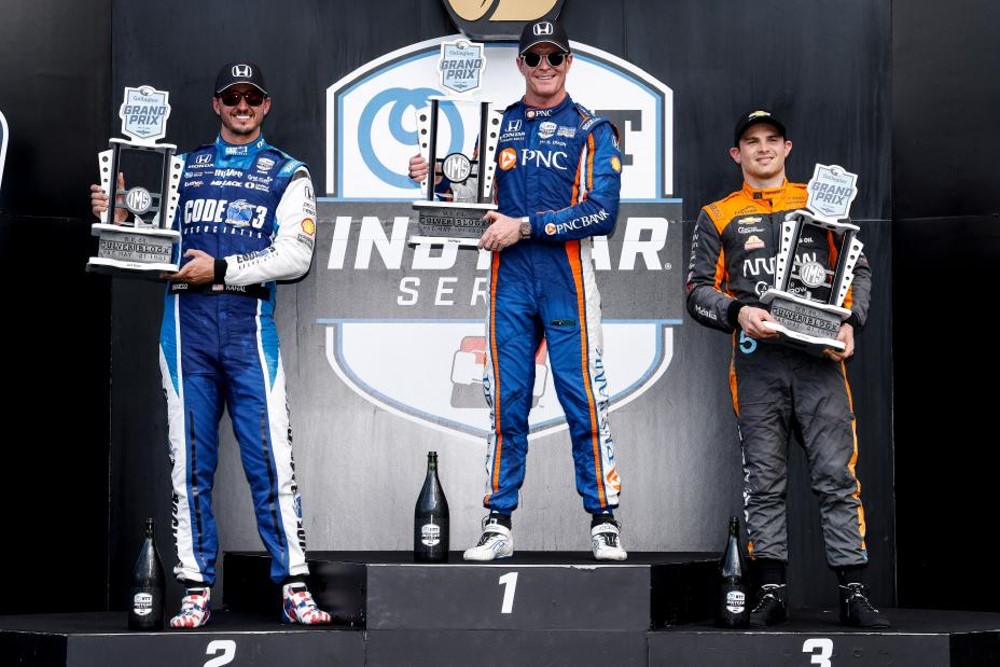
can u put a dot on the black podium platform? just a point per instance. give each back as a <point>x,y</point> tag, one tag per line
<point>530,591</point>
<point>101,640</point>
<point>537,609</point>
<point>815,637</point>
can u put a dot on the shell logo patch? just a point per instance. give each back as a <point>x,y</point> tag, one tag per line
<point>309,226</point>
<point>616,164</point>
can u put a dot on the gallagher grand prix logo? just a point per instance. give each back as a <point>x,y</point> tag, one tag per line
<point>404,324</point>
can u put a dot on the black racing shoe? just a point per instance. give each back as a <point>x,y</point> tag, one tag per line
<point>770,608</point>
<point>856,609</point>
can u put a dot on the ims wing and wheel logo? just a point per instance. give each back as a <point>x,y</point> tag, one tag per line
<point>404,325</point>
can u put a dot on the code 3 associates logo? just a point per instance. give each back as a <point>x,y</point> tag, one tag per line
<point>404,324</point>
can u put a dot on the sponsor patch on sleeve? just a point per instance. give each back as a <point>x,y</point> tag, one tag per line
<point>616,164</point>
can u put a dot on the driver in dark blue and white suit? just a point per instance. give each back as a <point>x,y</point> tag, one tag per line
<point>247,218</point>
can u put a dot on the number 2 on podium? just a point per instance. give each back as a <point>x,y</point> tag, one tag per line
<point>509,582</point>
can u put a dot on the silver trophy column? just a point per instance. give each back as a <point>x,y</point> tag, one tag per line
<point>470,168</point>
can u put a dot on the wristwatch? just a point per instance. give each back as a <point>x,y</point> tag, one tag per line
<point>525,227</point>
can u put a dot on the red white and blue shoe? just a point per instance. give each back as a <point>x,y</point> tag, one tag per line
<point>299,606</point>
<point>196,608</point>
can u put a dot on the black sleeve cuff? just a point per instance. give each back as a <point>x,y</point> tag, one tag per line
<point>853,321</point>
<point>220,272</point>
<point>733,313</point>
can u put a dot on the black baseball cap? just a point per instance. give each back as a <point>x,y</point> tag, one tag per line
<point>540,32</point>
<point>234,73</point>
<point>754,117</point>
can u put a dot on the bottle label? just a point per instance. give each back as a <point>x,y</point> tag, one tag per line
<point>736,601</point>
<point>430,535</point>
<point>142,604</point>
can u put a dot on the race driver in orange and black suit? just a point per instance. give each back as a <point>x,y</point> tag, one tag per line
<point>777,387</point>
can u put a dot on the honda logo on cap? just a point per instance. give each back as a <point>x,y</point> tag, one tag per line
<point>543,28</point>
<point>242,71</point>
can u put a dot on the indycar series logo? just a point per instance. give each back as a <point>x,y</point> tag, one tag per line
<point>404,323</point>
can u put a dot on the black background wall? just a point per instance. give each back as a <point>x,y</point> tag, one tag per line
<point>946,244</point>
<point>55,90</point>
<point>54,74</point>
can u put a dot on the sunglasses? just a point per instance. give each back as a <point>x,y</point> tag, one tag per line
<point>232,98</point>
<point>533,60</point>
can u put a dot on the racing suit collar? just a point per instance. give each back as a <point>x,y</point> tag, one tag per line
<point>765,194</point>
<point>227,149</point>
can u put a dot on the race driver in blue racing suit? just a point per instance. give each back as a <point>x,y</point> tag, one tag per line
<point>558,177</point>
<point>246,213</point>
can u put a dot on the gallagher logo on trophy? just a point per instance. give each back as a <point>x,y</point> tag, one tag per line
<point>459,194</point>
<point>808,295</point>
<point>135,239</point>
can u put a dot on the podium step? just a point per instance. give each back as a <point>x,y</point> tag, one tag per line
<point>531,591</point>
<point>917,638</point>
<point>92,639</point>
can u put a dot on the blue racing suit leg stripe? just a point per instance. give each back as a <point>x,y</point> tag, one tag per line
<point>268,338</point>
<point>170,361</point>
<point>513,337</point>
<point>567,328</point>
<point>586,380</point>
<point>258,408</point>
<point>194,405</point>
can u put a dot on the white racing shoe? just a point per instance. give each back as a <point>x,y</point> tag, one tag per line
<point>496,542</point>
<point>606,539</point>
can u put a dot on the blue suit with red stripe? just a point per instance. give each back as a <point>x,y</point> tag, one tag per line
<point>561,169</point>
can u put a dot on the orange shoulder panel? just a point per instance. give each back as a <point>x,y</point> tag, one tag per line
<point>723,211</point>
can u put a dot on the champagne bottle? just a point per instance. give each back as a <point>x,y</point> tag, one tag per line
<point>430,518</point>
<point>734,609</point>
<point>146,594</point>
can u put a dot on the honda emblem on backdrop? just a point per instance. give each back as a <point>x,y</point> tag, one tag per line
<point>501,19</point>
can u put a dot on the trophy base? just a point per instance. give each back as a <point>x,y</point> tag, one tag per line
<point>450,223</point>
<point>123,269</point>
<point>134,252</point>
<point>806,324</point>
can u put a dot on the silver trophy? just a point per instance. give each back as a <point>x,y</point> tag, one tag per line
<point>143,245</point>
<point>807,296</point>
<point>456,215</point>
